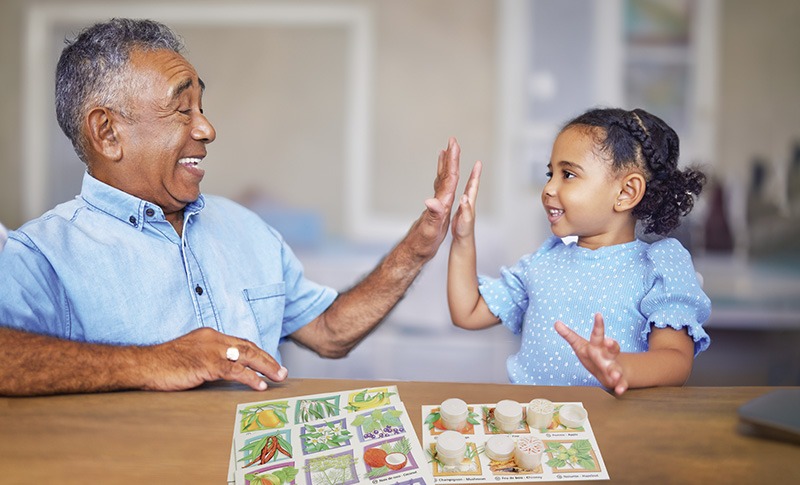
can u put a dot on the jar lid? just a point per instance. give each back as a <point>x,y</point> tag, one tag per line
<point>500,448</point>
<point>508,410</point>
<point>454,407</point>
<point>450,443</point>
<point>541,406</point>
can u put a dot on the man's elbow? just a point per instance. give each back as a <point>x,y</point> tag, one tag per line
<point>334,353</point>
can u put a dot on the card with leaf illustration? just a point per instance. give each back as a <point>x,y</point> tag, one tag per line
<point>265,416</point>
<point>276,414</point>
<point>372,445</point>
<point>563,450</point>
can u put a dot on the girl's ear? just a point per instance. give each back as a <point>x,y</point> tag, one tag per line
<point>631,191</point>
<point>102,134</point>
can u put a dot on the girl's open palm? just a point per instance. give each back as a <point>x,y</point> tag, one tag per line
<point>598,354</point>
<point>464,220</point>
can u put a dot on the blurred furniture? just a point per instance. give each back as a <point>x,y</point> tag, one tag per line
<point>676,435</point>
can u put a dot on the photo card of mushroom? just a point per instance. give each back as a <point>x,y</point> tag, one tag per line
<point>539,441</point>
<point>357,436</point>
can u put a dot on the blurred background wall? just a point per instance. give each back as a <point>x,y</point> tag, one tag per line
<point>330,116</point>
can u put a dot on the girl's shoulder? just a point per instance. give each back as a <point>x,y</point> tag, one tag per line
<point>668,257</point>
<point>666,249</point>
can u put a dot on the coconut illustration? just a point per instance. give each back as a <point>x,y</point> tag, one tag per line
<point>375,457</point>
<point>395,461</point>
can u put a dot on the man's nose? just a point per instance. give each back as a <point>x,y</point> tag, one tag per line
<point>203,130</point>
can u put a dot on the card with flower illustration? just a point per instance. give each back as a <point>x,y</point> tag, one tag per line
<point>376,445</point>
<point>342,437</point>
<point>258,417</point>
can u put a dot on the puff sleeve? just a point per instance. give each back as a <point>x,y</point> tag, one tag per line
<point>508,296</point>
<point>675,298</point>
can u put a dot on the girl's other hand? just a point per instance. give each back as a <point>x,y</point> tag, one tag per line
<point>598,354</point>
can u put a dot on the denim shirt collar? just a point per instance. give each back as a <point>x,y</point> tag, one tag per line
<point>127,208</point>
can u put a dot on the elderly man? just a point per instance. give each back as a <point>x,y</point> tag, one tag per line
<point>142,282</point>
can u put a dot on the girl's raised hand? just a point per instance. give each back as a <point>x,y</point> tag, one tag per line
<point>464,220</point>
<point>598,354</point>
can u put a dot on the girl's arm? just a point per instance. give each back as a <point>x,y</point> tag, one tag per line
<point>467,307</point>
<point>667,362</point>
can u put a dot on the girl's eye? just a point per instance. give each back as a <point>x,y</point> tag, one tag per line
<point>568,174</point>
<point>548,174</point>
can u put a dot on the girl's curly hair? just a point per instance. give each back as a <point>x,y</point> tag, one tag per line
<point>639,139</point>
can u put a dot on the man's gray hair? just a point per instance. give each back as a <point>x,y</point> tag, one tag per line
<point>93,70</point>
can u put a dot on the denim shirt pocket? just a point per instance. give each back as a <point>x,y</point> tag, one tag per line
<point>267,304</point>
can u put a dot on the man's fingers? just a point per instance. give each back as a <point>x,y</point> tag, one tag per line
<point>447,173</point>
<point>435,206</point>
<point>246,376</point>
<point>256,359</point>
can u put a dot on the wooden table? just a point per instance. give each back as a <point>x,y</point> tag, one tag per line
<point>664,435</point>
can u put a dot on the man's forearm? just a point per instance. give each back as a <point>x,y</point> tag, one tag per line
<point>357,311</point>
<point>32,364</point>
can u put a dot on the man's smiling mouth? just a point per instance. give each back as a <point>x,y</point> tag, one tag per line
<point>190,161</point>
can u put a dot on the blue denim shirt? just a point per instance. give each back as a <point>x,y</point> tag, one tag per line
<point>108,267</point>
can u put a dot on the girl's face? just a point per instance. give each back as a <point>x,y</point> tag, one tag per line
<point>581,193</point>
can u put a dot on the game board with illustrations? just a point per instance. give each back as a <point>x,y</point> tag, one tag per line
<point>348,437</point>
<point>554,452</point>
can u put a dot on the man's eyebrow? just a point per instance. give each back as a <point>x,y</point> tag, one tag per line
<point>186,84</point>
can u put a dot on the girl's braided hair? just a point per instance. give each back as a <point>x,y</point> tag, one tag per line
<point>639,139</point>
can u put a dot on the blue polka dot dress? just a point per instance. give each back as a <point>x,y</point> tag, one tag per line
<point>635,286</point>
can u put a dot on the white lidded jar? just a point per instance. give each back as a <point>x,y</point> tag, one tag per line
<point>540,413</point>
<point>451,447</point>
<point>500,448</point>
<point>507,415</point>
<point>572,415</point>
<point>454,414</point>
<point>528,452</point>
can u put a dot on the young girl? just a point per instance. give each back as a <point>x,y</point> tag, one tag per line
<point>640,303</point>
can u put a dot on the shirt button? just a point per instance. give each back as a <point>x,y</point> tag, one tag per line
<point>198,289</point>
<point>132,220</point>
<point>150,212</point>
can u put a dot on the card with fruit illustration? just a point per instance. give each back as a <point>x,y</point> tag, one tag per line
<point>510,442</point>
<point>345,437</point>
<point>369,445</point>
<point>266,415</point>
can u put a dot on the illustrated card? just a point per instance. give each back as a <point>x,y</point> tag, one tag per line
<point>555,452</point>
<point>358,436</point>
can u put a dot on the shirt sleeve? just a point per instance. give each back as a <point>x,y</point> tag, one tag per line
<point>507,296</point>
<point>305,299</point>
<point>675,298</point>
<point>31,295</point>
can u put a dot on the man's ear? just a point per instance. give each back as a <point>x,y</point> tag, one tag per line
<point>631,191</point>
<point>102,133</point>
